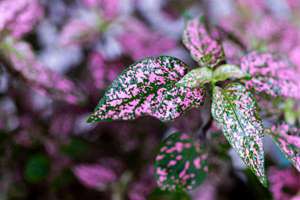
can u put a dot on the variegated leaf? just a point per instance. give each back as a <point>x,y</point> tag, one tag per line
<point>196,78</point>
<point>235,110</point>
<point>148,88</point>
<point>271,75</point>
<point>203,48</point>
<point>287,138</point>
<point>227,71</point>
<point>181,163</point>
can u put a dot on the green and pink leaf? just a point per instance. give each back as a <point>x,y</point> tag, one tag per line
<point>203,48</point>
<point>235,110</point>
<point>147,88</point>
<point>181,163</point>
<point>271,75</point>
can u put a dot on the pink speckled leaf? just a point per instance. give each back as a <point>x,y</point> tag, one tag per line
<point>271,75</point>
<point>287,138</point>
<point>181,163</point>
<point>203,48</point>
<point>148,88</point>
<point>235,110</point>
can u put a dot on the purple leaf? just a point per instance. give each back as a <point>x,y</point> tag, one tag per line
<point>271,75</point>
<point>203,48</point>
<point>287,138</point>
<point>148,88</point>
<point>95,176</point>
<point>235,110</point>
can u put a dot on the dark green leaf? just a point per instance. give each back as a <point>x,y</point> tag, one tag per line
<point>37,168</point>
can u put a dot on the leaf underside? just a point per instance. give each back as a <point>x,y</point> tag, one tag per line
<point>235,110</point>
<point>147,88</point>
<point>181,163</point>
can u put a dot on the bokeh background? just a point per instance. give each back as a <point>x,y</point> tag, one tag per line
<point>57,58</point>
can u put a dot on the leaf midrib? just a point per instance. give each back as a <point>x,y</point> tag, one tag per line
<point>235,114</point>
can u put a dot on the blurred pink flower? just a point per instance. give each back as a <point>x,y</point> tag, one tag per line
<point>19,16</point>
<point>39,77</point>
<point>280,180</point>
<point>94,176</point>
<point>139,41</point>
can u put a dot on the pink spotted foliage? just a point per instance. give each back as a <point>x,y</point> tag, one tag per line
<point>19,16</point>
<point>47,82</point>
<point>181,163</point>
<point>203,48</point>
<point>287,138</point>
<point>148,88</point>
<point>145,41</point>
<point>282,181</point>
<point>271,75</point>
<point>94,176</point>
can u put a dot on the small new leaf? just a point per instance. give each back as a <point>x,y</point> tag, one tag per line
<point>228,71</point>
<point>181,163</point>
<point>235,110</point>
<point>287,138</point>
<point>148,88</point>
<point>196,78</point>
<point>203,48</point>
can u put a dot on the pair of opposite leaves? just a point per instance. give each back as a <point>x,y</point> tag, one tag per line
<point>163,88</point>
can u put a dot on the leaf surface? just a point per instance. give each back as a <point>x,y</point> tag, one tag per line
<point>148,88</point>
<point>181,163</point>
<point>196,78</point>
<point>271,75</point>
<point>227,71</point>
<point>203,48</point>
<point>287,138</point>
<point>235,110</point>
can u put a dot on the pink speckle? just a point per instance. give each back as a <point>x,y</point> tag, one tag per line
<point>197,163</point>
